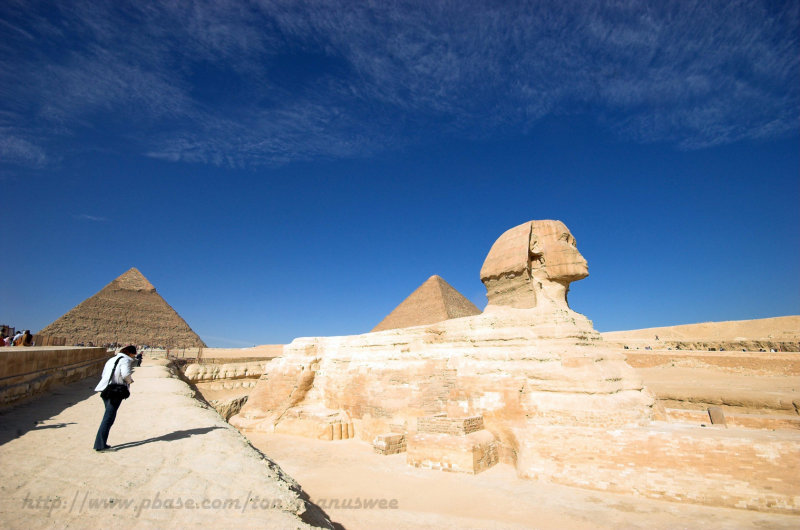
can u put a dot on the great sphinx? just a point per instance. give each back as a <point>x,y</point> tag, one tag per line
<point>552,398</point>
<point>527,360</point>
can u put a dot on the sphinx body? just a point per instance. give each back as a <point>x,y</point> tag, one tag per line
<point>556,401</point>
<point>527,361</point>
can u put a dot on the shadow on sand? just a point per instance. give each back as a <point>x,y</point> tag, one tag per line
<point>177,435</point>
<point>33,413</point>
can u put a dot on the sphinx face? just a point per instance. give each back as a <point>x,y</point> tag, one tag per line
<point>532,265</point>
<point>560,259</point>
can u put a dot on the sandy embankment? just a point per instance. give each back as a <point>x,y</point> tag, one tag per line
<point>781,333</point>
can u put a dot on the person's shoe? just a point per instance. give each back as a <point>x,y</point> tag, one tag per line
<point>106,448</point>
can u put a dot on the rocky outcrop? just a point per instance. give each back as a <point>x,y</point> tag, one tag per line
<point>228,407</point>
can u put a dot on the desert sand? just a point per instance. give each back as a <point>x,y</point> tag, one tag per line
<point>496,498</point>
<point>777,328</point>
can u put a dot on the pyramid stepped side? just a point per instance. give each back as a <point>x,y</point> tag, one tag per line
<point>127,310</point>
<point>433,301</point>
<point>455,303</point>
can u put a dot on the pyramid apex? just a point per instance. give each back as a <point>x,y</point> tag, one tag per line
<point>433,301</point>
<point>133,280</point>
<point>128,310</point>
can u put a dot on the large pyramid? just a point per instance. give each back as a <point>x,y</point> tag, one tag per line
<point>433,301</point>
<point>126,311</point>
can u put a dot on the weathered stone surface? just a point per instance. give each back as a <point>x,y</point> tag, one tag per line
<point>753,470</point>
<point>227,371</point>
<point>532,265</point>
<point>716,415</point>
<point>389,444</point>
<point>30,371</point>
<point>539,365</point>
<point>433,301</point>
<point>228,407</point>
<point>470,453</point>
<point>126,311</point>
<point>441,424</point>
<point>510,365</point>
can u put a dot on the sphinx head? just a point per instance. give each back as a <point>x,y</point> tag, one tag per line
<point>532,265</point>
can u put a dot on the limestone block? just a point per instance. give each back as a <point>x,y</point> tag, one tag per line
<point>716,415</point>
<point>471,453</point>
<point>389,443</point>
<point>228,407</point>
<point>453,426</point>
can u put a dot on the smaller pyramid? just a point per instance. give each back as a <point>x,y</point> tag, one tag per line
<point>126,311</point>
<point>433,301</point>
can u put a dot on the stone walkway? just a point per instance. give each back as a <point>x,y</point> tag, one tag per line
<point>176,463</point>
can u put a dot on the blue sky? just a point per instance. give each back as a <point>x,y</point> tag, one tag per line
<point>285,168</point>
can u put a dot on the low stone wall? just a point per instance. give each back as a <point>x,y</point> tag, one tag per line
<point>771,363</point>
<point>265,351</point>
<point>746,421</point>
<point>26,372</point>
<point>735,468</point>
<point>197,373</point>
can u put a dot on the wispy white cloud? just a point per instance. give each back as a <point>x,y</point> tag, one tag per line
<point>271,81</point>
<point>93,218</point>
<point>14,148</point>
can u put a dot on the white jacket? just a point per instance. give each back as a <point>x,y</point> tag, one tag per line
<point>122,372</point>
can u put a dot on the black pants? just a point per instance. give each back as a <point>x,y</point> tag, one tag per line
<point>112,404</point>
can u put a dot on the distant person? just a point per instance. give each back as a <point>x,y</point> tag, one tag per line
<point>117,371</point>
<point>27,338</point>
<point>3,339</point>
<point>16,339</point>
<point>139,359</point>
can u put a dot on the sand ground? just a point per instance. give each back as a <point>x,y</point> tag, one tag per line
<point>349,470</point>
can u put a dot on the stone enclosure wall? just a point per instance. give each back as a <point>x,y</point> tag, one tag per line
<point>26,372</point>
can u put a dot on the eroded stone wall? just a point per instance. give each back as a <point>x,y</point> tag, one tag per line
<point>29,371</point>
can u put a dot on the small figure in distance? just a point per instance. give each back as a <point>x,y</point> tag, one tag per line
<point>117,370</point>
<point>27,338</point>
<point>138,359</point>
